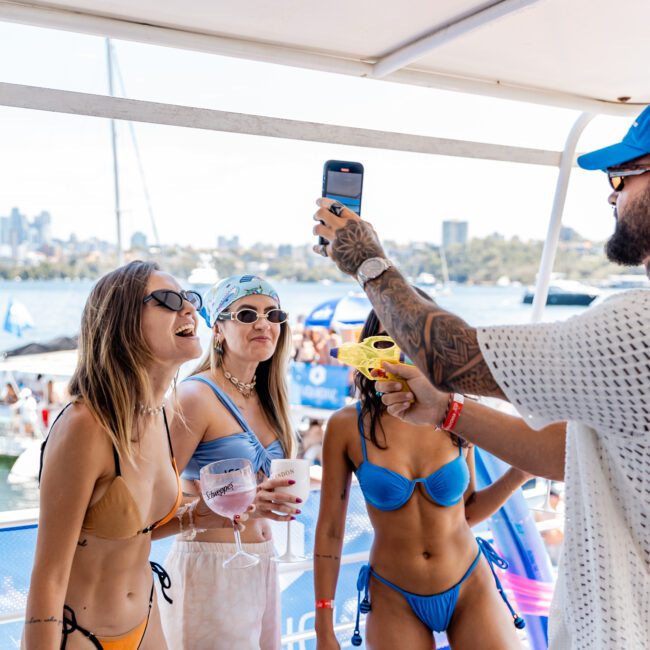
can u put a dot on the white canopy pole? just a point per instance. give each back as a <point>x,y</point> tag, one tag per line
<point>555,224</point>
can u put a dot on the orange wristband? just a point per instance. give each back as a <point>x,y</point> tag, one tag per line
<point>324,604</point>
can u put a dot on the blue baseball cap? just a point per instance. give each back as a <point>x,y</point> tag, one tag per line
<point>635,144</point>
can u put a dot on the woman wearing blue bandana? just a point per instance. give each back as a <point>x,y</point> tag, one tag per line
<point>234,405</point>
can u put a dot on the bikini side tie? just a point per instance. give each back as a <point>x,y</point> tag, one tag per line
<point>494,558</point>
<point>362,605</point>
<point>165,580</point>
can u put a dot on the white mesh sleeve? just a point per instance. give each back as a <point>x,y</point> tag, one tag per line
<point>593,368</point>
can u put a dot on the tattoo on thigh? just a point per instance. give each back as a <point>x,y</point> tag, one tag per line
<point>327,557</point>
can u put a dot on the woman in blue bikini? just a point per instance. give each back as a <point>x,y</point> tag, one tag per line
<point>234,405</point>
<point>426,570</point>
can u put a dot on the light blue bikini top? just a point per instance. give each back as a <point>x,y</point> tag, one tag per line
<point>236,445</point>
<point>385,489</point>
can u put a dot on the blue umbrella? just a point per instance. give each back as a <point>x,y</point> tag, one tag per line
<point>352,309</point>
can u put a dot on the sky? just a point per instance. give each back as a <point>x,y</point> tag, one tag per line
<point>204,184</point>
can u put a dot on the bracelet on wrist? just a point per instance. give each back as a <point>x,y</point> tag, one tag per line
<point>454,409</point>
<point>191,532</point>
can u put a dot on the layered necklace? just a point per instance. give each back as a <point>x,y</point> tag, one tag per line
<point>246,389</point>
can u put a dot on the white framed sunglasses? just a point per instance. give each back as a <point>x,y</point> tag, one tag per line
<point>249,316</point>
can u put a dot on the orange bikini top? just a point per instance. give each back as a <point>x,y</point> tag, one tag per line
<point>116,515</point>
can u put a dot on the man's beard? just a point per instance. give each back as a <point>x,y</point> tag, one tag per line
<point>630,243</point>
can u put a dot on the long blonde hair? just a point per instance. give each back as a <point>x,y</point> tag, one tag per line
<point>271,384</point>
<point>111,379</point>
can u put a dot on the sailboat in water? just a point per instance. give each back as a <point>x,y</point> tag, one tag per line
<point>205,274</point>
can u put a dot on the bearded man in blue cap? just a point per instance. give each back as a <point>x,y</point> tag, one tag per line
<point>582,387</point>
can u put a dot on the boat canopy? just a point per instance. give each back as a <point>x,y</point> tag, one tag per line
<point>583,54</point>
<point>53,345</point>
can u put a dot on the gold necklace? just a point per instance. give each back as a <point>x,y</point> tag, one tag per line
<point>245,389</point>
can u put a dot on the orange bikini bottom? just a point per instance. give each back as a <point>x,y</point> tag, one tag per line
<point>129,641</point>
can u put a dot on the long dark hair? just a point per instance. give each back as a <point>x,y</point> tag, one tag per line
<point>372,407</point>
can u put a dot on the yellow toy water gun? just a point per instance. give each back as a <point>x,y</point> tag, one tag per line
<point>370,354</point>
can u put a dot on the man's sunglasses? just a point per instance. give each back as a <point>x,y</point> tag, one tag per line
<point>617,176</point>
<point>174,299</point>
<point>250,316</point>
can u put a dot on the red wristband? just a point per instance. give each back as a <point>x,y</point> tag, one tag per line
<point>453,412</point>
<point>324,604</point>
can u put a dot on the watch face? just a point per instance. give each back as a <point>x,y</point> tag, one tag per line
<point>372,268</point>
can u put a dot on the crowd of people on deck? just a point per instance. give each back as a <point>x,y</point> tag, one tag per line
<point>29,403</point>
<point>313,345</point>
<point>121,462</point>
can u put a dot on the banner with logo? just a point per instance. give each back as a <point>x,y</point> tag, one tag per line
<point>324,387</point>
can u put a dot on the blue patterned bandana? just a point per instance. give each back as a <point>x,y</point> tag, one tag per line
<point>224,293</point>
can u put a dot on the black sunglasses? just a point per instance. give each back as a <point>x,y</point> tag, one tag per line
<point>250,316</point>
<point>174,299</point>
<point>616,177</point>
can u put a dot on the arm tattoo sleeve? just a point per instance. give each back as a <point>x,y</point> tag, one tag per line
<point>442,345</point>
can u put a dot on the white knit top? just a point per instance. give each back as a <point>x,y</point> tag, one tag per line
<point>593,371</point>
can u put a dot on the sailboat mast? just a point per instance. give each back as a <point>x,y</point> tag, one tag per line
<point>116,178</point>
<point>444,267</point>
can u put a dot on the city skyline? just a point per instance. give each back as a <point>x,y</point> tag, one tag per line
<point>21,236</point>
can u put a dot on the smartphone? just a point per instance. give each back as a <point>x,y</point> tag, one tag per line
<point>343,182</point>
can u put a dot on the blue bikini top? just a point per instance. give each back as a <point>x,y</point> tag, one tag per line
<point>385,489</point>
<point>236,445</point>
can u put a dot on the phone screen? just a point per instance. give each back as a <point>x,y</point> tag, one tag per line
<point>343,181</point>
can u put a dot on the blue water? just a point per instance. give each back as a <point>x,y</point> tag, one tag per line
<point>56,305</point>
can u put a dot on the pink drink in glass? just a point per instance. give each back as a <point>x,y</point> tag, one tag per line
<point>230,502</point>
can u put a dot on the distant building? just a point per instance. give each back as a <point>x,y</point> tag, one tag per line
<point>454,232</point>
<point>42,228</point>
<point>285,250</point>
<point>570,235</point>
<point>4,230</point>
<point>224,243</point>
<point>139,240</point>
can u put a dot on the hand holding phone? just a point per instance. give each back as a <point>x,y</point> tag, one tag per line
<point>343,182</point>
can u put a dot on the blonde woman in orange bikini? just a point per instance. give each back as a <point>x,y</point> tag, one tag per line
<point>109,479</point>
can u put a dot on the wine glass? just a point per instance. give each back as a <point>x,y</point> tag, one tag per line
<point>228,488</point>
<point>546,506</point>
<point>298,471</point>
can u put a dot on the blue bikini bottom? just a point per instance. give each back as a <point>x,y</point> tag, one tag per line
<point>434,611</point>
